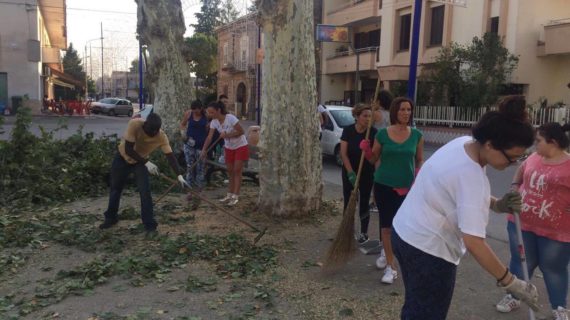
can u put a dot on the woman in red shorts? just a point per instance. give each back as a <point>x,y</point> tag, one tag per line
<point>236,150</point>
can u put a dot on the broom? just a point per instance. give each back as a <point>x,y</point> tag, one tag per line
<point>343,244</point>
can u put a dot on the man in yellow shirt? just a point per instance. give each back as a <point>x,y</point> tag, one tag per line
<point>141,138</point>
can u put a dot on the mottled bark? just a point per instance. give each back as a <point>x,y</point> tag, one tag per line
<point>290,177</point>
<point>161,27</point>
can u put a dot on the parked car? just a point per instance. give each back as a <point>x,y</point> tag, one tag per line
<point>144,112</point>
<point>336,119</point>
<point>113,107</point>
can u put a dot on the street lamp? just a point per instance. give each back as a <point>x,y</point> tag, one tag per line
<point>85,58</point>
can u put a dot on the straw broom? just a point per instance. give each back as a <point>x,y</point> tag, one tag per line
<point>343,244</point>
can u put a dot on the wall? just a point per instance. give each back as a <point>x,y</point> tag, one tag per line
<point>17,25</point>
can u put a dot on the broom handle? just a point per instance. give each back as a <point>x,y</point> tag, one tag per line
<point>361,163</point>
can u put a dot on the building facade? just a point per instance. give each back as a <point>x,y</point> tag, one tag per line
<point>538,32</point>
<point>32,35</point>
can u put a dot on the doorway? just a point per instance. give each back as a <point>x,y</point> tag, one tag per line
<point>241,97</point>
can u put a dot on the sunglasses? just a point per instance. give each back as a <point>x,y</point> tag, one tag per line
<point>513,161</point>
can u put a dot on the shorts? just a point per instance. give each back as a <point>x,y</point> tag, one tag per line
<point>241,154</point>
<point>388,202</point>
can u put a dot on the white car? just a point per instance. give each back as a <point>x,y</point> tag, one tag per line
<point>113,107</point>
<point>336,119</point>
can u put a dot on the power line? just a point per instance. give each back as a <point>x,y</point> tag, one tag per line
<point>67,8</point>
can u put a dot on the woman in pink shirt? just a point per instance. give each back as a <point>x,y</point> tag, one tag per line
<point>544,183</point>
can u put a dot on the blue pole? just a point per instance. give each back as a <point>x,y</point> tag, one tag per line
<point>412,76</point>
<point>141,95</point>
<point>258,78</point>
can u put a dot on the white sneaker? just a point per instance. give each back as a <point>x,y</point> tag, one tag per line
<point>228,197</point>
<point>508,304</point>
<point>560,314</point>
<point>389,275</point>
<point>234,200</point>
<point>381,262</point>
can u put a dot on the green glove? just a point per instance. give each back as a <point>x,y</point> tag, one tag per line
<point>351,177</point>
<point>510,202</point>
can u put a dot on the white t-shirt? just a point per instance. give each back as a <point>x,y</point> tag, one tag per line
<point>450,197</point>
<point>227,127</point>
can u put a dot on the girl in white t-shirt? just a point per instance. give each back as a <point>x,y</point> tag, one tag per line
<point>236,150</point>
<point>446,213</point>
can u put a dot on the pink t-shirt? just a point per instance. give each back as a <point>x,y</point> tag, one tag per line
<point>545,190</point>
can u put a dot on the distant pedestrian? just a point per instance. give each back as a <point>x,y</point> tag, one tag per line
<point>399,147</point>
<point>382,112</point>
<point>141,138</point>
<point>447,210</point>
<point>350,154</point>
<point>236,150</point>
<point>544,182</point>
<point>194,126</point>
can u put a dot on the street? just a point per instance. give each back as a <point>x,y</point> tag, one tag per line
<point>101,125</point>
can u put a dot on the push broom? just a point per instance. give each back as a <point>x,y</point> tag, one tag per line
<point>343,245</point>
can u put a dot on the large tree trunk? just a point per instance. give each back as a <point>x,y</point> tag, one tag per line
<point>290,177</point>
<point>161,27</point>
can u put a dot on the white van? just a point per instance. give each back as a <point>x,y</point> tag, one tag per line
<point>336,119</point>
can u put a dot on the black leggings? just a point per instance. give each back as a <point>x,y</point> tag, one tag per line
<point>388,202</point>
<point>364,189</point>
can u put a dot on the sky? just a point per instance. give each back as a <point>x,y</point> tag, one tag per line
<point>119,18</point>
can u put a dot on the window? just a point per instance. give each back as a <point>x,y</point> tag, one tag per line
<point>244,41</point>
<point>367,39</point>
<point>225,54</point>
<point>436,31</point>
<point>405,29</point>
<point>494,25</point>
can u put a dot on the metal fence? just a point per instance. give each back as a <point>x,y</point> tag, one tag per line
<point>463,117</point>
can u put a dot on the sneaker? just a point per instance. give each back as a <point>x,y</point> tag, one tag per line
<point>108,223</point>
<point>228,197</point>
<point>362,238</point>
<point>389,275</point>
<point>508,304</point>
<point>234,200</point>
<point>560,314</point>
<point>381,262</point>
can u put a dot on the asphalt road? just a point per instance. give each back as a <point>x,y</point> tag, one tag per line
<point>104,125</point>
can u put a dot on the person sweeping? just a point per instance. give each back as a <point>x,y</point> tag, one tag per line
<point>140,139</point>
<point>446,212</point>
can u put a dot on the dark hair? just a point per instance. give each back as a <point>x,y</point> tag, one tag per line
<point>553,131</point>
<point>358,109</point>
<point>218,105</point>
<point>385,98</point>
<point>196,104</point>
<point>153,122</point>
<point>395,107</point>
<point>222,96</point>
<point>507,127</point>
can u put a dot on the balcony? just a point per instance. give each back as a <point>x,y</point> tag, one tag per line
<point>345,61</point>
<point>354,12</point>
<point>51,55</point>
<point>556,35</point>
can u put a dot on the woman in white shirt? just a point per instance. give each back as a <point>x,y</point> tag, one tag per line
<point>447,210</point>
<point>236,150</point>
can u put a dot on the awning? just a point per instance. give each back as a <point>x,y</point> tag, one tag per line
<point>62,84</point>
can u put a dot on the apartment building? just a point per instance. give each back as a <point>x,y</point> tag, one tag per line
<point>380,30</point>
<point>32,35</point>
<point>125,84</point>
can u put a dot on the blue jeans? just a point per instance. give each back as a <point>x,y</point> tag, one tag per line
<point>120,169</point>
<point>551,256</point>
<point>194,177</point>
<point>429,282</point>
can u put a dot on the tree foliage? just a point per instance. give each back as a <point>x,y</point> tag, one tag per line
<point>203,51</point>
<point>471,75</point>
<point>72,63</point>
<point>228,12</point>
<point>208,17</point>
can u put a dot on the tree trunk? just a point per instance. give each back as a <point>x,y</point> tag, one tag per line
<point>290,177</point>
<point>161,27</point>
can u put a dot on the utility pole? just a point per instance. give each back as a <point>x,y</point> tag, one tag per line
<point>141,95</point>
<point>412,75</point>
<point>102,66</point>
<point>85,70</point>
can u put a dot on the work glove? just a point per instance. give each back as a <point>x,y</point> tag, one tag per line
<point>152,168</point>
<point>183,182</point>
<point>351,177</point>
<point>524,291</point>
<point>365,147</point>
<point>510,202</point>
